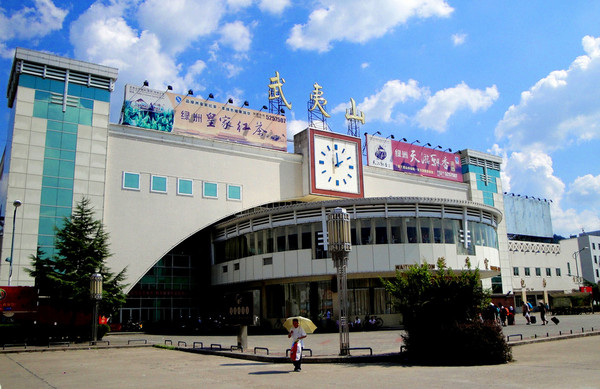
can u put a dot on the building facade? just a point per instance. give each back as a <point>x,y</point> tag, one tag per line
<point>195,212</point>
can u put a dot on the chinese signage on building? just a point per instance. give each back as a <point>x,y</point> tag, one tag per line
<point>18,299</point>
<point>413,159</point>
<point>186,115</point>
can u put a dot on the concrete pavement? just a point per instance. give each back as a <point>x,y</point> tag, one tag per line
<point>381,342</point>
<point>571,363</point>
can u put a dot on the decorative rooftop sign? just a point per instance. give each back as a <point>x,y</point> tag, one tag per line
<point>413,159</point>
<point>203,118</point>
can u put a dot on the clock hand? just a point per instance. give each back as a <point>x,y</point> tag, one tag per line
<point>337,162</point>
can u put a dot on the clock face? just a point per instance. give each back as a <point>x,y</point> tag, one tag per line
<point>336,164</point>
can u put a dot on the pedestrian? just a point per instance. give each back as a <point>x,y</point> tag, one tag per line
<point>511,315</point>
<point>526,312</point>
<point>543,313</point>
<point>297,334</point>
<point>503,315</point>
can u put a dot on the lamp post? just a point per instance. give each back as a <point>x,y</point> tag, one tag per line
<point>340,244</point>
<point>577,266</point>
<point>96,296</point>
<point>17,204</point>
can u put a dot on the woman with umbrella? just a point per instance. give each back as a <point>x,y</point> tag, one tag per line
<point>298,327</point>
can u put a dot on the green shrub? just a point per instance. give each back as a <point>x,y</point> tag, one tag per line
<point>440,310</point>
<point>472,343</point>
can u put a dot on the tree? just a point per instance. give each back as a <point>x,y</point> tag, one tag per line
<point>440,311</point>
<point>82,248</point>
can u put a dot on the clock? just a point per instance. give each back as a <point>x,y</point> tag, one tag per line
<point>336,164</point>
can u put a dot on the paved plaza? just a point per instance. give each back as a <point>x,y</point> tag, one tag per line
<point>571,362</point>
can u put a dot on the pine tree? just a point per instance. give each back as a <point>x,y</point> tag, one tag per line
<point>82,249</point>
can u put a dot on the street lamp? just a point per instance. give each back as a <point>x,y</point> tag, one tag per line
<point>17,204</point>
<point>340,244</point>
<point>576,265</point>
<point>96,296</point>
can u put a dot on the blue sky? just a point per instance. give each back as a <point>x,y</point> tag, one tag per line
<point>517,79</point>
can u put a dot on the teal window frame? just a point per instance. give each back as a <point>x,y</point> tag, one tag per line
<point>210,190</point>
<point>182,189</point>
<point>127,176</point>
<point>158,184</point>
<point>234,192</point>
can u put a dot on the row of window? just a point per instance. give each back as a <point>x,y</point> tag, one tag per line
<point>185,186</point>
<point>58,87</point>
<point>363,232</point>
<point>538,271</point>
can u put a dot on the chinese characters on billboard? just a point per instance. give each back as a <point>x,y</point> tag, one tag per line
<point>186,115</point>
<point>413,159</point>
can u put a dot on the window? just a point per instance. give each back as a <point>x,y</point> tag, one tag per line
<point>557,271</point>
<point>159,184</point>
<point>595,259</point>
<point>224,268</point>
<point>267,261</point>
<point>131,181</point>
<point>548,272</point>
<point>185,187</point>
<point>234,192</point>
<point>568,268</point>
<point>527,272</point>
<point>515,271</point>
<point>209,190</point>
<point>538,272</point>
<point>597,275</point>
<point>236,266</point>
<point>593,246</point>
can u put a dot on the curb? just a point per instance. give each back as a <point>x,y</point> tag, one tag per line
<point>43,349</point>
<point>552,338</point>
<point>390,357</point>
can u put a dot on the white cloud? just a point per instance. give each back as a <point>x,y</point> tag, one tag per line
<point>530,172</point>
<point>441,106</point>
<point>330,22</point>
<point>459,39</point>
<point>364,65</point>
<point>273,6</point>
<point>193,71</point>
<point>585,190</point>
<point>237,4</point>
<point>231,69</point>
<point>381,105</point>
<point>178,23</point>
<point>560,109</point>
<point>570,221</point>
<point>294,127</point>
<point>237,36</point>
<point>30,23</point>
<point>102,35</point>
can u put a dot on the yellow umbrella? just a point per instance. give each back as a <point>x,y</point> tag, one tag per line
<point>307,324</point>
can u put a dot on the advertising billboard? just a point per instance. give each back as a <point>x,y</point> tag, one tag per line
<point>197,117</point>
<point>527,216</point>
<point>243,308</point>
<point>17,299</point>
<point>413,159</point>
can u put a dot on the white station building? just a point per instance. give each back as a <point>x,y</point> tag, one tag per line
<point>202,199</point>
